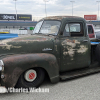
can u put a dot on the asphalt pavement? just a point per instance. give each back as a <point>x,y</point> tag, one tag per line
<point>84,88</point>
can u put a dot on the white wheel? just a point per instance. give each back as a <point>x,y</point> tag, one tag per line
<point>30,75</point>
<point>31,78</point>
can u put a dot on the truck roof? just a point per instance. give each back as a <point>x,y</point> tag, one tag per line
<point>61,17</point>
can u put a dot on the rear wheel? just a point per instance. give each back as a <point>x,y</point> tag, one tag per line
<point>31,78</point>
<point>97,52</point>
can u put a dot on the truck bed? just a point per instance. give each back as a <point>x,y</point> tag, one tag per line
<point>94,41</point>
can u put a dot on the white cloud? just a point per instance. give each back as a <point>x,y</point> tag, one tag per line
<point>54,7</point>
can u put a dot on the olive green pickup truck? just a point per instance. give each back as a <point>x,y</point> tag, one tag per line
<point>59,47</point>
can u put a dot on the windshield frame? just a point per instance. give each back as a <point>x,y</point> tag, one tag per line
<point>48,20</point>
<point>40,26</point>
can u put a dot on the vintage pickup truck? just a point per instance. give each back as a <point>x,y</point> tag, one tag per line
<point>59,47</point>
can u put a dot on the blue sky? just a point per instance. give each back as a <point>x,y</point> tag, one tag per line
<point>54,7</point>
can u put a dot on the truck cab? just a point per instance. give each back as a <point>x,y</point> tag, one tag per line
<point>71,34</point>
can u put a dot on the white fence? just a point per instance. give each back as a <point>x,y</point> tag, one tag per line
<point>18,31</point>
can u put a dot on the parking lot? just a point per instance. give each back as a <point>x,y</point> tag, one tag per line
<point>84,88</point>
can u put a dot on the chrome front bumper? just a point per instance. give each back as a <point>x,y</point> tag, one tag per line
<point>1,65</point>
<point>1,69</point>
<point>2,88</point>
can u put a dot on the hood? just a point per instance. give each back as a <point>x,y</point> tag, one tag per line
<point>27,44</point>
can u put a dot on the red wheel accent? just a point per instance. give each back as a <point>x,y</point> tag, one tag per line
<point>31,75</point>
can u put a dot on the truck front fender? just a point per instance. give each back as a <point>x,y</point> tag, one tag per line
<point>15,65</point>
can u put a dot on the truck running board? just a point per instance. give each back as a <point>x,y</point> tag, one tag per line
<point>78,73</point>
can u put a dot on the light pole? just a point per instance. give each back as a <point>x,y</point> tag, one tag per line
<point>72,6</point>
<point>15,8</point>
<point>45,6</point>
<point>98,7</point>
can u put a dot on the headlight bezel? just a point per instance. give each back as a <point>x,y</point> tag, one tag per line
<point>1,65</point>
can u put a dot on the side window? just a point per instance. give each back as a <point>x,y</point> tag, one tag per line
<point>90,29</point>
<point>73,29</point>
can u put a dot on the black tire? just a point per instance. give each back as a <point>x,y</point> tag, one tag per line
<point>36,83</point>
<point>97,53</point>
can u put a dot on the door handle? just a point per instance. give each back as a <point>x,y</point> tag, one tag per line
<point>85,40</point>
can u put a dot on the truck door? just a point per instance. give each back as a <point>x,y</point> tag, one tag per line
<point>75,47</point>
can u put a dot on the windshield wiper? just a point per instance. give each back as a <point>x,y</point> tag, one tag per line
<point>44,34</point>
<point>51,34</point>
<point>38,33</point>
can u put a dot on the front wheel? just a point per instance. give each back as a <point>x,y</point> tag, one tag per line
<point>31,78</point>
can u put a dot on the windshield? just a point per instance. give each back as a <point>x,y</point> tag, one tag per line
<point>47,27</point>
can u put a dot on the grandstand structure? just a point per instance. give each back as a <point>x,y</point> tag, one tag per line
<point>17,27</point>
